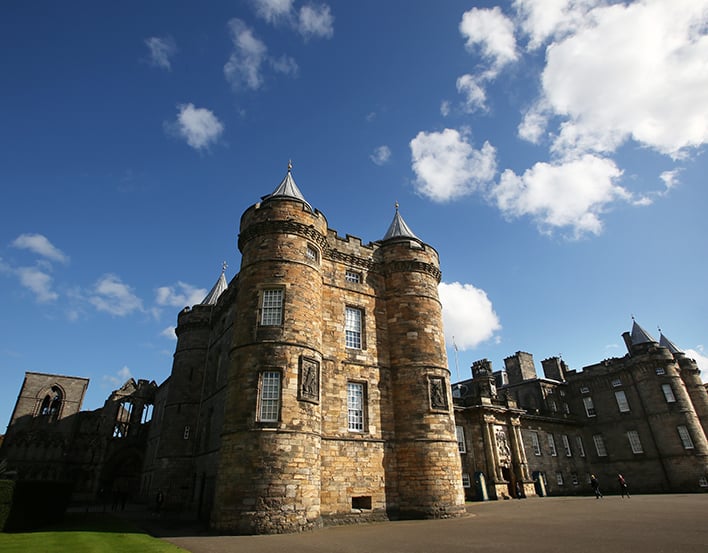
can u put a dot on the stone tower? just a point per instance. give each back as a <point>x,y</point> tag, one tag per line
<point>269,477</point>
<point>426,452</point>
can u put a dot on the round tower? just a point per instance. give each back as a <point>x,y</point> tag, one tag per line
<point>425,444</point>
<point>179,420</point>
<point>269,468</point>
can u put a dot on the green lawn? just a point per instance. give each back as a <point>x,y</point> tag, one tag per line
<point>86,533</point>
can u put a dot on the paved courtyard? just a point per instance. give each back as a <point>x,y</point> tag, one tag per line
<point>645,523</point>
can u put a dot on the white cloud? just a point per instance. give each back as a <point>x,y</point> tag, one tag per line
<point>249,53</point>
<point>161,50</point>
<point>571,194</point>
<point>468,315</point>
<point>381,155</point>
<point>474,93</point>
<point>445,108</point>
<point>541,21</point>
<point>169,332</point>
<point>285,65</point>
<point>40,245</point>
<point>180,295</point>
<point>111,295</point>
<point>699,355</point>
<point>39,282</point>
<point>198,126</point>
<point>273,11</point>
<point>636,71</point>
<point>492,32</point>
<point>120,378</point>
<point>448,167</point>
<point>670,178</point>
<point>315,21</point>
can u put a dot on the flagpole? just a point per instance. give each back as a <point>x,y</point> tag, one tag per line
<point>457,365</point>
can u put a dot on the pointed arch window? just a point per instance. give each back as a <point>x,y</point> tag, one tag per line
<point>51,404</point>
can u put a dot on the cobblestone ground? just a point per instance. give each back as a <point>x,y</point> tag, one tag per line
<point>646,523</point>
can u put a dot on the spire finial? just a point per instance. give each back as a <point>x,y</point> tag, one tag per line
<point>290,165</point>
<point>224,265</point>
<point>396,205</point>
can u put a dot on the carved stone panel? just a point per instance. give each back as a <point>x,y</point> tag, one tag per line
<point>438,397</point>
<point>309,380</point>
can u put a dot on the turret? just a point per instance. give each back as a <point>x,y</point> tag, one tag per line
<point>269,467</point>
<point>426,451</point>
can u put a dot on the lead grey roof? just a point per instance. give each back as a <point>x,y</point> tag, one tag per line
<point>218,289</point>
<point>639,335</point>
<point>399,228</point>
<point>668,344</point>
<point>288,189</point>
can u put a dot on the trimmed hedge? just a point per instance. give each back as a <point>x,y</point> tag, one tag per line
<point>36,504</point>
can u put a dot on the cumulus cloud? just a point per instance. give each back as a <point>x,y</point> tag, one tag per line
<point>161,51</point>
<point>699,355</point>
<point>637,71</point>
<point>315,21</point>
<point>111,295</point>
<point>492,33</point>
<point>571,194</point>
<point>468,315</point>
<point>37,281</point>
<point>381,155</point>
<point>119,378</point>
<point>180,295</point>
<point>198,126</point>
<point>40,244</point>
<point>473,91</point>
<point>273,11</point>
<point>169,333</point>
<point>245,63</point>
<point>447,166</point>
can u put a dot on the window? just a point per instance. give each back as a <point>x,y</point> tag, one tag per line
<point>311,253</point>
<point>566,408</point>
<point>355,406</point>
<point>352,276</point>
<point>552,405</point>
<point>600,445</point>
<point>634,442</point>
<point>272,307</point>
<point>589,407</point>
<point>668,393</point>
<point>660,371</point>
<point>466,482</point>
<point>703,482</point>
<point>552,445</point>
<point>622,403</point>
<point>535,444</point>
<point>579,444</point>
<point>51,405</point>
<point>574,478</point>
<point>566,446</point>
<point>584,390</point>
<point>559,478</point>
<point>352,328</point>
<point>270,396</point>
<point>461,447</point>
<point>616,382</point>
<point>685,437</point>
<point>185,435</point>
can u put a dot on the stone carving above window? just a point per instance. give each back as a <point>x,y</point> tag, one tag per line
<point>438,397</point>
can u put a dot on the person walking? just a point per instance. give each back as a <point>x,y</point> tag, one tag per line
<point>595,484</point>
<point>624,489</point>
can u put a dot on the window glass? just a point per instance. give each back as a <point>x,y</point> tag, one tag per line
<point>634,442</point>
<point>685,437</point>
<point>668,393</point>
<point>270,396</point>
<point>535,443</point>
<point>566,446</point>
<point>352,276</point>
<point>352,328</point>
<point>599,445</point>
<point>462,448</point>
<point>622,403</point>
<point>272,307</point>
<point>355,406</point>
<point>581,448</point>
<point>589,406</point>
<point>552,445</point>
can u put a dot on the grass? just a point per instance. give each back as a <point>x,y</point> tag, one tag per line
<point>86,533</point>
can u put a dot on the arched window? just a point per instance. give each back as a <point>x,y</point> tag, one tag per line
<point>51,404</point>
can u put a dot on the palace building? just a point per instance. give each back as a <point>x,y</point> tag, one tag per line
<point>313,388</point>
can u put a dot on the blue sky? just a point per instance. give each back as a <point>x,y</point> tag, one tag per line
<point>553,152</point>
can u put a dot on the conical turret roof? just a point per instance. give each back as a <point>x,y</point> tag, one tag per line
<point>639,335</point>
<point>218,289</point>
<point>399,228</point>
<point>288,189</point>
<point>668,344</point>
